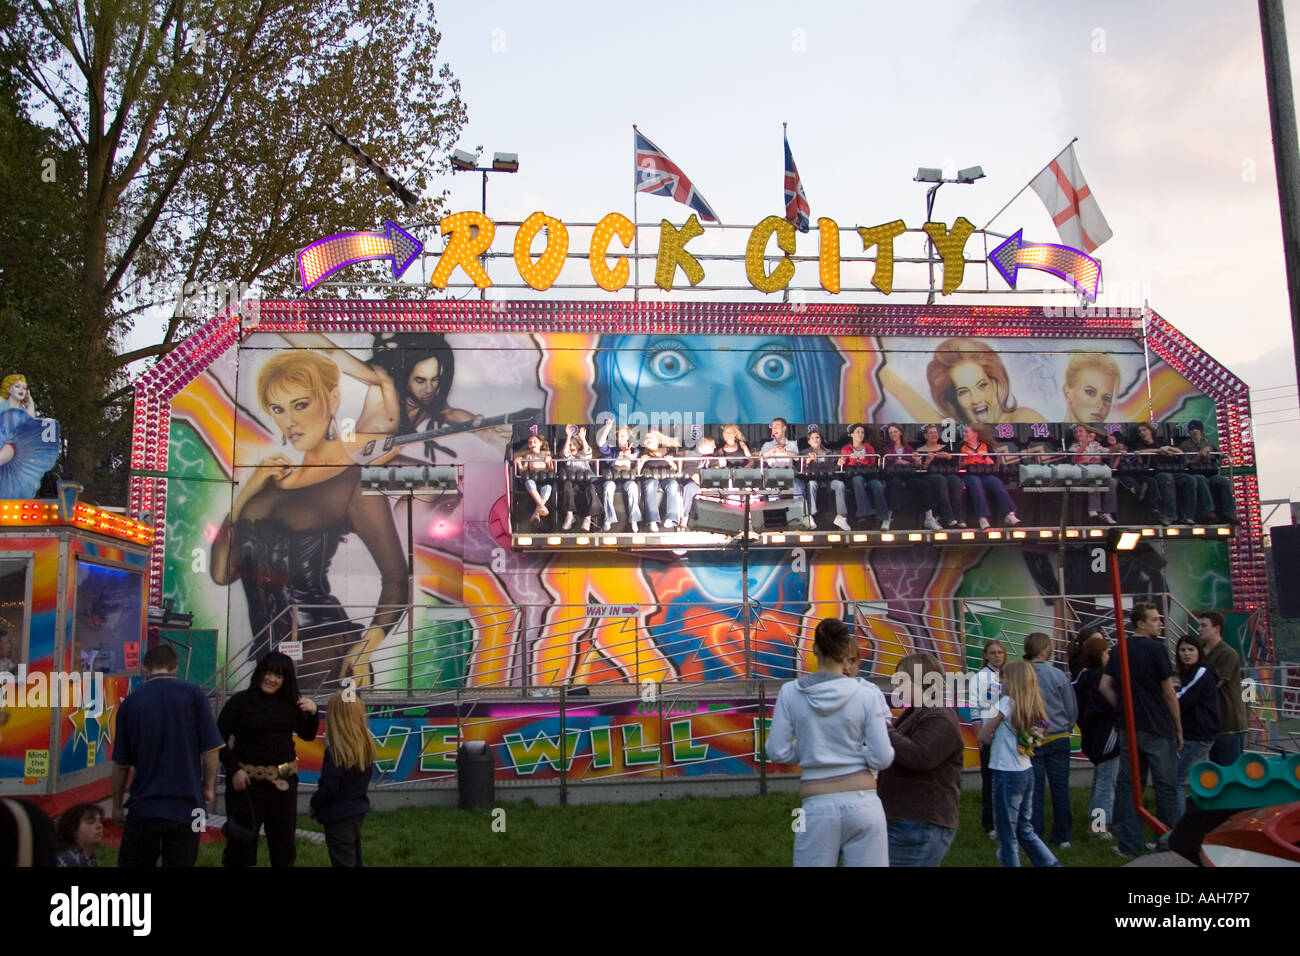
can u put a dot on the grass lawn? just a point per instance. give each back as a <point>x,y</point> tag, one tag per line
<point>692,831</point>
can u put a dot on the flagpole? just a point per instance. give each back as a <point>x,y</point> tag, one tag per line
<point>636,232</point>
<point>785,143</point>
<point>1028,184</point>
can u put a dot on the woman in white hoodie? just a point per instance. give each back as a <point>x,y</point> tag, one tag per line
<point>837,730</point>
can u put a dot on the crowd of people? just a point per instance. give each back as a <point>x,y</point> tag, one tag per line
<point>861,478</point>
<point>879,791</point>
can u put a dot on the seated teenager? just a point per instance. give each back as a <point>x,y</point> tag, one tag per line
<point>705,457</point>
<point>619,466</point>
<point>659,470</point>
<point>781,452</point>
<point>536,466</point>
<point>1213,490</point>
<point>1086,450</point>
<point>859,461</point>
<point>818,467</point>
<point>1165,462</point>
<point>1133,476</point>
<point>902,466</point>
<point>734,449</point>
<point>980,482</point>
<point>577,479</point>
<point>942,484</point>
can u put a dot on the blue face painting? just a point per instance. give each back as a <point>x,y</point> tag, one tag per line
<point>715,380</point>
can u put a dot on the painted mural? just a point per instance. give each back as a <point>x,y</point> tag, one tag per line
<point>271,537</point>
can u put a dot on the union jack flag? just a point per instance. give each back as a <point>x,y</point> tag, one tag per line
<point>658,175</point>
<point>796,203</point>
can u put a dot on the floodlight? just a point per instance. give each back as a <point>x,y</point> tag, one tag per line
<point>927,174</point>
<point>970,174</point>
<point>509,162</point>
<point>463,160</point>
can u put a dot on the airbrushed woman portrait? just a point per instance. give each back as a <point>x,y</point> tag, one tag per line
<point>288,520</point>
<point>1091,381</point>
<point>968,383</point>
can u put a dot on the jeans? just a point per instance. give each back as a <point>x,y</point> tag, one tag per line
<point>630,491</point>
<point>343,840</point>
<point>1193,752</point>
<point>851,823</point>
<point>978,488</point>
<point>869,496</point>
<point>673,507</point>
<point>1052,771</point>
<point>1227,748</point>
<point>1213,493</point>
<point>1160,755</point>
<point>1013,792</point>
<point>144,838</point>
<point>1177,494</point>
<point>913,843</point>
<point>837,488</point>
<point>1105,501</point>
<point>943,495</point>
<point>986,788</point>
<point>1102,796</point>
<point>545,492</point>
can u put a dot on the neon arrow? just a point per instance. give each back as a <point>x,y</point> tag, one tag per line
<point>326,256</point>
<point>1079,269</point>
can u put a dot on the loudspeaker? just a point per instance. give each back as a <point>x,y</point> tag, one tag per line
<point>783,514</point>
<point>717,517</point>
<point>1286,568</point>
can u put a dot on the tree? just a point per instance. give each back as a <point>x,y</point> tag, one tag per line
<point>188,146</point>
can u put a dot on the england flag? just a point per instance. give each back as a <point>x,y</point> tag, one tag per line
<point>658,175</point>
<point>1074,209</point>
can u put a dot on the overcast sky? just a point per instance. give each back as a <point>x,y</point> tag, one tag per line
<point>1167,99</point>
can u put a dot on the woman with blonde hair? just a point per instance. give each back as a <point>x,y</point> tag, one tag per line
<point>340,803</point>
<point>1013,734</point>
<point>288,520</point>
<point>1091,379</point>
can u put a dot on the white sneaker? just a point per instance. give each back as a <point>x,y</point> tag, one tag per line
<point>932,522</point>
<point>586,523</point>
<point>842,523</point>
<point>884,525</point>
<point>568,522</point>
<point>654,527</point>
<point>606,526</point>
<point>635,529</point>
<point>984,524</point>
<point>670,524</point>
<point>811,522</point>
<point>1107,518</point>
<point>1012,520</point>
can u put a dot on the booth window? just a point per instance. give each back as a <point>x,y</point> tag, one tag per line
<point>13,612</point>
<point>110,612</point>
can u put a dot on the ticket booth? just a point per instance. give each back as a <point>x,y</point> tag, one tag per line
<point>73,582</point>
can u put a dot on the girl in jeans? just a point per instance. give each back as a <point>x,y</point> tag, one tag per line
<point>1012,734</point>
<point>837,730</point>
<point>1098,732</point>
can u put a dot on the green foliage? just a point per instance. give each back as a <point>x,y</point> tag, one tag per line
<point>189,148</point>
